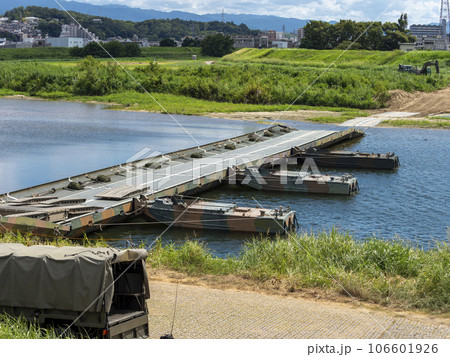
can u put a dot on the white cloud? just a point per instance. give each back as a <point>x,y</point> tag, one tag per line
<point>419,11</point>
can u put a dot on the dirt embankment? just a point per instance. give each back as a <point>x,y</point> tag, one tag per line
<point>420,102</point>
<point>263,117</point>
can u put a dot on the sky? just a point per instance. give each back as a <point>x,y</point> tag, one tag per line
<point>418,11</point>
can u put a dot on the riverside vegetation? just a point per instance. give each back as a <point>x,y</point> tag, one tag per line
<point>247,80</point>
<point>393,273</point>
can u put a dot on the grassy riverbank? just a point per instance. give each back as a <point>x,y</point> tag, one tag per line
<point>443,123</point>
<point>390,273</point>
<point>178,104</point>
<point>358,59</point>
<point>395,274</point>
<point>228,82</point>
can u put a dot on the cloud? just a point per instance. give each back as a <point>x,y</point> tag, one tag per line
<point>419,11</point>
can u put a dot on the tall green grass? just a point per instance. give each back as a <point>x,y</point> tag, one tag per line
<point>7,54</point>
<point>257,84</point>
<point>430,124</point>
<point>61,53</point>
<point>19,328</point>
<point>394,273</point>
<point>29,239</point>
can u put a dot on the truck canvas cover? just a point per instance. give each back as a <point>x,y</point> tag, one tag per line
<point>62,278</point>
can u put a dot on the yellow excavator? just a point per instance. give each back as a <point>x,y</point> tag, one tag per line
<point>424,70</point>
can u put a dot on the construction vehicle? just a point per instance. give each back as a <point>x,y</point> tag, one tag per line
<point>424,70</point>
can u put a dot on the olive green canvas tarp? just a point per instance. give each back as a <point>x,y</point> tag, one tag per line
<point>63,278</point>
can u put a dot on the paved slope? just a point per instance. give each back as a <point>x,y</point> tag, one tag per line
<point>211,313</point>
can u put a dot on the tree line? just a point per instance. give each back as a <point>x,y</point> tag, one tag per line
<point>322,35</point>
<point>113,48</point>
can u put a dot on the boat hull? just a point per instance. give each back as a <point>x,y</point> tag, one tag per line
<point>198,219</point>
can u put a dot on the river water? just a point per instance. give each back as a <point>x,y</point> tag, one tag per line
<point>44,141</point>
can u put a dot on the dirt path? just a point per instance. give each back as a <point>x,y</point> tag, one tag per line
<point>204,312</point>
<point>419,102</point>
<point>299,115</point>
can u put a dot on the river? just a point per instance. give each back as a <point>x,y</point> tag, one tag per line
<point>43,141</point>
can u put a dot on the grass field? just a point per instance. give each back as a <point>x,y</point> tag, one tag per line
<point>61,53</point>
<point>349,59</point>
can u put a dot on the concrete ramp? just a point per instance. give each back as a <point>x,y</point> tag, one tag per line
<point>376,119</point>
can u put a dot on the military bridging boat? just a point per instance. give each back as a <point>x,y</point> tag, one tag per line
<point>348,159</point>
<point>295,181</point>
<point>198,213</point>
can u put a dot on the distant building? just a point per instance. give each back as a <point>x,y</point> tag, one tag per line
<point>272,35</point>
<point>300,34</point>
<point>66,41</point>
<point>407,47</point>
<point>280,44</point>
<point>23,45</point>
<point>430,37</point>
<point>76,31</point>
<point>425,30</point>
<point>244,42</point>
<point>152,44</point>
<point>31,20</point>
<point>279,35</point>
<point>2,42</point>
<point>263,41</point>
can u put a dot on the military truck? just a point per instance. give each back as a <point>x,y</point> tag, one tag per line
<point>101,292</point>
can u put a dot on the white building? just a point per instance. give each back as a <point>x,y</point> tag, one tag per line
<point>280,44</point>
<point>2,42</point>
<point>279,35</point>
<point>31,20</point>
<point>407,47</point>
<point>66,42</point>
<point>73,30</point>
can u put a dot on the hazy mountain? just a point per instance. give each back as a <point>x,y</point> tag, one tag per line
<point>121,12</point>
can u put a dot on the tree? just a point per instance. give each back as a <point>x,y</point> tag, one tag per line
<point>317,35</point>
<point>52,29</point>
<point>217,45</point>
<point>114,48</point>
<point>167,42</point>
<point>93,49</point>
<point>403,22</point>
<point>370,36</point>
<point>132,49</point>
<point>190,42</point>
<point>76,51</point>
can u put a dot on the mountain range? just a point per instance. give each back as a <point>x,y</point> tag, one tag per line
<point>122,12</point>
